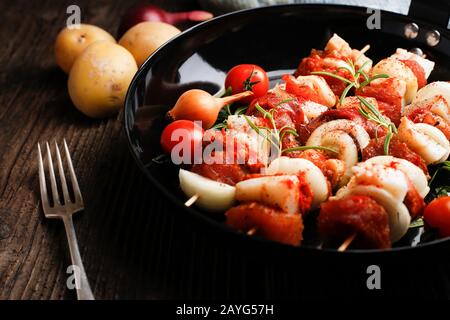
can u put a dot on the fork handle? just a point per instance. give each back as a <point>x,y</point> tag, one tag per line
<point>84,291</point>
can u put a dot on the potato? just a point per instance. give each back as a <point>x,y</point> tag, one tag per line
<point>144,38</point>
<point>70,43</point>
<point>99,79</point>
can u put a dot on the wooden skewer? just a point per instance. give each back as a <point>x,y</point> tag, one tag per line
<point>191,200</point>
<point>347,242</point>
<point>252,231</point>
<point>365,49</point>
<point>362,51</point>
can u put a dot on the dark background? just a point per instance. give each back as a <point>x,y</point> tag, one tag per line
<point>132,243</point>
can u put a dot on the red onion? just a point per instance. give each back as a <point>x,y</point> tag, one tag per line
<point>149,12</point>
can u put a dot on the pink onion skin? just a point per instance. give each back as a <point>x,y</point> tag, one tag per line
<point>149,12</point>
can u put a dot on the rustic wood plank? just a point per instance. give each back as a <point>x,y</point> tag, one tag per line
<point>132,242</point>
<point>36,107</point>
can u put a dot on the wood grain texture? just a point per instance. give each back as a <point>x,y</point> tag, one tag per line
<point>132,243</point>
<point>35,107</point>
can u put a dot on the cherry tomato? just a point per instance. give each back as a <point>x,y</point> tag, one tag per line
<point>437,215</point>
<point>185,135</point>
<point>245,77</point>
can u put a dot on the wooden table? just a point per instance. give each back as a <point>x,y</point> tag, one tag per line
<point>131,243</point>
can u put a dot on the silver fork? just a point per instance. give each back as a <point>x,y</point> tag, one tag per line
<point>65,211</point>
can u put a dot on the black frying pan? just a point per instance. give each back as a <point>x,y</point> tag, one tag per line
<point>275,38</point>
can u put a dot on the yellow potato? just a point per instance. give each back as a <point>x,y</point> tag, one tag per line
<point>99,79</point>
<point>70,43</point>
<point>144,38</point>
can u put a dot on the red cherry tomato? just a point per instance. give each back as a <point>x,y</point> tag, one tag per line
<point>437,215</point>
<point>185,135</point>
<point>245,77</point>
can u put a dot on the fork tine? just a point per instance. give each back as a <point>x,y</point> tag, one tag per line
<point>52,176</point>
<point>62,176</point>
<point>42,184</point>
<point>73,177</point>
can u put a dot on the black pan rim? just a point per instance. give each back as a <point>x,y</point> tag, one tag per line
<point>129,105</point>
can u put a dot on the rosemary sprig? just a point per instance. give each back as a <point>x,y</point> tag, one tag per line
<point>283,101</point>
<point>287,130</point>
<point>275,141</point>
<point>371,113</point>
<point>355,75</point>
<point>276,135</point>
<point>331,74</point>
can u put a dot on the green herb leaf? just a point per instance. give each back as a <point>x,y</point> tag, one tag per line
<point>355,75</point>
<point>284,101</point>
<point>373,114</point>
<point>240,110</point>
<point>369,80</point>
<point>325,73</point>
<point>219,126</point>
<point>376,132</point>
<point>345,92</point>
<point>372,109</point>
<point>346,69</point>
<point>387,140</point>
<point>351,64</point>
<point>287,131</point>
<point>227,110</point>
<point>442,191</point>
<point>416,223</point>
<point>227,92</point>
<point>251,124</point>
<point>361,69</point>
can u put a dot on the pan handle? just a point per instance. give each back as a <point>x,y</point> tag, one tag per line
<point>435,12</point>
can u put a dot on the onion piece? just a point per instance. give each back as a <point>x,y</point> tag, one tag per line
<point>413,172</point>
<point>199,105</point>
<point>278,191</point>
<point>314,177</point>
<point>213,196</point>
<point>399,218</point>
